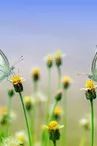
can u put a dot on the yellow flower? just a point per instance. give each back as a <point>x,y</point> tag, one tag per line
<point>21,136</point>
<point>58,58</point>
<point>17,83</point>
<point>16,79</point>
<point>36,71</point>
<point>58,110</point>
<point>36,74</point>
<point>53,125</point>
<point>66,82</point>
<point>90,84</point>
<point>28,102</point>
<point>3,111</point>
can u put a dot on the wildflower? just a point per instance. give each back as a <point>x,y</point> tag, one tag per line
<point>17,83</point>
<point>85,123</point>
<point>21,137</point>
<point>57,112</point>
<point>4,116</point>
<point>58,97</point>
<point>10,141</point>
<point>49,61</point>
<point>66,82</point>
<point>58,58</point>
<point>90,90</point>
<point>36,74</point>
<point>28,102</point>
<point>11,92</point>
<point>54,130</point>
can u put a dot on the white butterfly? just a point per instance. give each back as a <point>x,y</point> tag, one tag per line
<point>5,69</point>
<point>93,76</point>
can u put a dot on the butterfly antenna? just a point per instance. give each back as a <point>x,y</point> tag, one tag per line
<point>19,60</point>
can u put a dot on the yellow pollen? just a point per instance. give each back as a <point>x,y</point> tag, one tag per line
<point>52,125</point>
<point>90,84</point>
<point>20,137</point>
<point>16,79</point>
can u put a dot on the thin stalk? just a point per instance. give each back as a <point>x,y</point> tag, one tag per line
<point>64,117</point>
<point>82,142</point>
<point>8,115</point>
<point>30,115</point>
<point>52,114</point>
<point>54,142</point>
<point>26,119</point>
<point>92,122</point>
<point>48,95</point>
<point>59,78</point>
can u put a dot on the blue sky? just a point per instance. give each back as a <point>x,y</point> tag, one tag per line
<point>36,28</point>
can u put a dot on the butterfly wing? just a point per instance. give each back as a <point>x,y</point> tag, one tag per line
<point>4,66</point>
<point>94,65</point>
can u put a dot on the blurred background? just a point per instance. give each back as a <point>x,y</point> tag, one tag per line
<point>37,28</point>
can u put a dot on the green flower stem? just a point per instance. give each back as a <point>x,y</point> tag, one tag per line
<point>59,78</point>
<point>8,115</point>
<point>35,86</point>
<point>43,138</point>
<point>27,124</point>
<point>64,116</point>
<point>48,95</point>
<point>92,122</point>
<point>82,142</point>
<point>54,142</point>
<point>31,120</point>
<point>52,114</point>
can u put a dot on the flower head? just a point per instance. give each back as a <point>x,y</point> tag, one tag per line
<point>58,58</point>
<point>58,96</point>
<point>90,89</point>
<point>57,112</point>
<point>10,141</point>
<point>21,137</point>
<point>49,60</point>
<point>17,83</point>
<point>28,101</point>
<point>54,130</point>
<point>36,73</point>
<point>4,116</point>
<point>11,92</point>
<point>66,82</point>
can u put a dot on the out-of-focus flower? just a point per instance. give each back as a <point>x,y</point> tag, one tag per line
<point>58,58</point>
<point>4,116</point>
<point>57,113</point>
<point>11,92</point>
<point>29,102</point>
<point>54,130</point>
<point>66,82</point>
<point>85,122</point>
<point>44,128</point>
<point>17,83</point>
<point>21,137</point>
<point>36,74</point>
<point>90,88</point>
<point>58,96</point>
<point>49,60</point>
<point>10,141</point>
